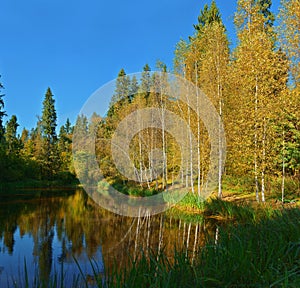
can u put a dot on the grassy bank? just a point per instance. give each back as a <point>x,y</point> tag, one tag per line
<point>262,254</point>
<point>257,247</point>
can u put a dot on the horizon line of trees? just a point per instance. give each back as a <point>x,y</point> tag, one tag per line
<point>38,154</point>
<point>255,88</point>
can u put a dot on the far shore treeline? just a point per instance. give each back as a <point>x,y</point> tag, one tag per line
<point>255,88</point>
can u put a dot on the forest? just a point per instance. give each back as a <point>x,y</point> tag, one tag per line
<point>254,87</point>
<point>244,112</point>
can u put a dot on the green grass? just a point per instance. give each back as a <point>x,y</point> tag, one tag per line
<point>257,246</point>
<point>128,188</point>
<point>239,213</point>
<point>292,190</point>
<point>191,201</point>
<point>262,254</point>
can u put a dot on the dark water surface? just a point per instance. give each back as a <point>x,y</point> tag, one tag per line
<point>42,232</point>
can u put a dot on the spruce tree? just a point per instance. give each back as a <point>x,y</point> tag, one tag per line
<point>208,15</point>
<point>11,135</point>
<point>65,146</point>
<point>2,113</point>
<point>48,125</point>
<point>49,118</point>
<point>122,87</point>
<point>145,81</point>
<point>133,87</point>
<point>68,127</point>
<point>121,95</point>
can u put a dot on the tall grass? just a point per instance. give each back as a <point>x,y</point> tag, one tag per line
<point>239,213</point>
<point>262,254</point>
<point>191,201</point>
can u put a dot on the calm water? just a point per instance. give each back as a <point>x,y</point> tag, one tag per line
<point>48,232</point>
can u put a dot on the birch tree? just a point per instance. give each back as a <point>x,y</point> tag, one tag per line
<point>205,60</point>
<point>289,35</point>
<point>258,76</point>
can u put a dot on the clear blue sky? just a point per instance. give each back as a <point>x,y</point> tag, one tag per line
<point>74,47</point>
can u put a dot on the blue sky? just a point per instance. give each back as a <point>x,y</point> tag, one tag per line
<point>75,47</point>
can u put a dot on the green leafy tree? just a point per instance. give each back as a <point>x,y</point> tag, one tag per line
<point>249,11</point>
<point>26,144</point>
<point>24,136</point>
<point>36,142</point>
<point>81,126</point>
<point>289,35</point>
<point>181,49</point>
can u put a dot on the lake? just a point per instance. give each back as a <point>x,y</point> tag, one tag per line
<point>54,233</point>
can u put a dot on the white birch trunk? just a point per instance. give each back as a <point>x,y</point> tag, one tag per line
<point>283,168</point>
<point>264,161</point>
<point>198,135</point>
<point>256,142</point>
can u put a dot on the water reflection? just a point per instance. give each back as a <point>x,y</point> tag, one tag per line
<point>47,233</point>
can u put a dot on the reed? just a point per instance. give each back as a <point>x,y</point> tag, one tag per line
<point>263,252</point>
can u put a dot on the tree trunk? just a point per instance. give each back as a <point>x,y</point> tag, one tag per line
<point>256,142</point>
<point>264,161</point>
<point>198,135</point>
<point>283,168</point>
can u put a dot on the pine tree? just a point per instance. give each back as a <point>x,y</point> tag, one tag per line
<point>133,87</point>
<point>13,143</point>
<point>120,97</point>
<point>49,118</point>
<point>2,113</point>
<point>208,15</point>
<point>68,127</point>
<point>65,146</point>
<point>48,125</point>
<point>122,90</point>
<point>145,81</point>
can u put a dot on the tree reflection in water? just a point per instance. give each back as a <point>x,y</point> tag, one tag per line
<point>61,228</point>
